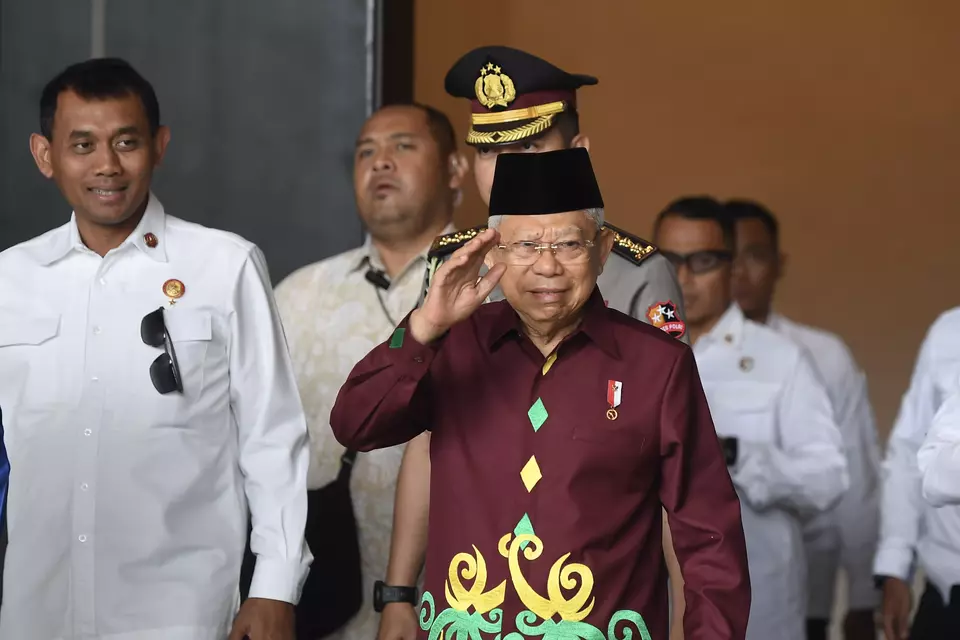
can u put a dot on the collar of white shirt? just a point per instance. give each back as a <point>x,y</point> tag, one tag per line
<point>368,254</point>
<point>729,328</point>
<point>776,321</point>
<point>61,241</point>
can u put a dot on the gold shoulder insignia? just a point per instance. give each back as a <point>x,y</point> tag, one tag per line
<point>629,246</point>
<point>444,245</point>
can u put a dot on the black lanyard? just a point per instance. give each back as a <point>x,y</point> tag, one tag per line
<point>380,283</point>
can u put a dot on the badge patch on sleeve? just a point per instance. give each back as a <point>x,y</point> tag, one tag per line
<point>664,316</point>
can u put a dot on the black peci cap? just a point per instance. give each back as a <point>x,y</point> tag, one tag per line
<point>541,183</point>
<point>514,94</point>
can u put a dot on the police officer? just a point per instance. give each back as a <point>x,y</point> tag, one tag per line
<point>519,104</point>
<point>523,104</point>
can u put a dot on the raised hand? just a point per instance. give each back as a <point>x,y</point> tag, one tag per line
<point>457,289</point>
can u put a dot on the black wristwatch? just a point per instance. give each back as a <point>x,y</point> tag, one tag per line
<point>384,594</point>
<point>729,450</point>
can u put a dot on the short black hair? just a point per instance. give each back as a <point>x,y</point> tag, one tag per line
<point>441,129</point>
<point>743,209</point>
<point>568,124</point>
<point>98,79</point>
<point>700,208</point>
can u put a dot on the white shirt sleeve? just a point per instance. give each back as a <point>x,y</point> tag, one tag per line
<point>805,470</point>
<point>272,436</point>
<point>901,506</point>
<point>939,455</point>
<point>858,513</point>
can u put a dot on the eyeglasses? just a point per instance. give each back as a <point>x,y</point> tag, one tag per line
<point>525,253</point>
<point>164,372</point>
<point>699,261</point>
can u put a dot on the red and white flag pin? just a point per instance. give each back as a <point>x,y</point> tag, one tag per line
<point>614,387</point>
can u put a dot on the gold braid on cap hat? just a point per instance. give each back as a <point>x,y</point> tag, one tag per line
<point>510,135</point>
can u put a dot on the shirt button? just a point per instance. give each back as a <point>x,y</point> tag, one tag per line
<point>87,432</point>
<point>96,331</point>
<point>82,538</point>
<point>103,282</point>
<point>417,359</point>
<point>84,486</point>
<point>95,379</point>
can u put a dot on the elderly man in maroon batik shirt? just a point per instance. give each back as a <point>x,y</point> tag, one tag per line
<point>559,429</point>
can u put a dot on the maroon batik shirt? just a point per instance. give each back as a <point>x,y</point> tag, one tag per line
<point>548,476</point>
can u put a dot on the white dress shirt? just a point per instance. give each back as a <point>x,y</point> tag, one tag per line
<point>127,510</point>
<point>939,456</point>
<point>910,528</point>
<point>763,390</point>
<point>333,317</point>
<point>847,534</point>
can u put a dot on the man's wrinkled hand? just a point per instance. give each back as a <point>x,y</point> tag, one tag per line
<point>457,289</point>
<point>398,622</point>
<point>262,619</point>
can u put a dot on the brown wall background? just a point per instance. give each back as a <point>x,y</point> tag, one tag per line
<point>840,115</point>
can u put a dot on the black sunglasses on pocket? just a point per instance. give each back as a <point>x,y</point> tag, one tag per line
<point>164,372</point>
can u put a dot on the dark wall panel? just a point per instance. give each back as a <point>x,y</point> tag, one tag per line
<point>37,39</point>
<point>264,100</point>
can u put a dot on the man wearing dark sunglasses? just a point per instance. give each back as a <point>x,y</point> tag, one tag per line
<point>149,404</point>
<point>784,451</point>
<point>847,534</point>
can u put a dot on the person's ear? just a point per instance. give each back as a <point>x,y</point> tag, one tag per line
<point>781,265</point>
<point>160,142</point>
<point>40,149</point>
<point>605,242</point>
<point>580,140</point>
<point>458,168</point>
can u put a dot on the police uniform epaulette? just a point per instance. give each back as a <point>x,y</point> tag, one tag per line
<point>448,243</point>
<point>629,246</point>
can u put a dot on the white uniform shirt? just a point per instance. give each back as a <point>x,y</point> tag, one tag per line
<point>127,511</point>
<point>762,389</point>
<point>910,528</point>
<point>847,534</point>
<point>333,318</point>
<point>939,457</point>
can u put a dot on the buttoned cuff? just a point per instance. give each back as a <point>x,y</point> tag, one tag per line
<point>750,475</point>
<point>278,580</point>
<point>412,358</point>
<point>896,563</point>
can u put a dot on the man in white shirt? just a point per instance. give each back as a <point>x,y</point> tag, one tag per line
<point>939,456</point>
<point>784,449</point>
<point>407,177</point>
<point>914,532</point>
<point>847,534</point>
<point>149,404</point>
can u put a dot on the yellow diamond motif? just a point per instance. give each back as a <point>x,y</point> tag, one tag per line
<point>530,474</point>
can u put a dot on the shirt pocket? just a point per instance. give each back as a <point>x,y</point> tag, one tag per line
<point>623,437</point>
<point>191,332</point>
<point>32,373</point>
<point>744,409</point>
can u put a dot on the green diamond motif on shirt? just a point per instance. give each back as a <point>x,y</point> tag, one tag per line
<point>537,414</point>
<point>523,527</point>
<point>396,340</point>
